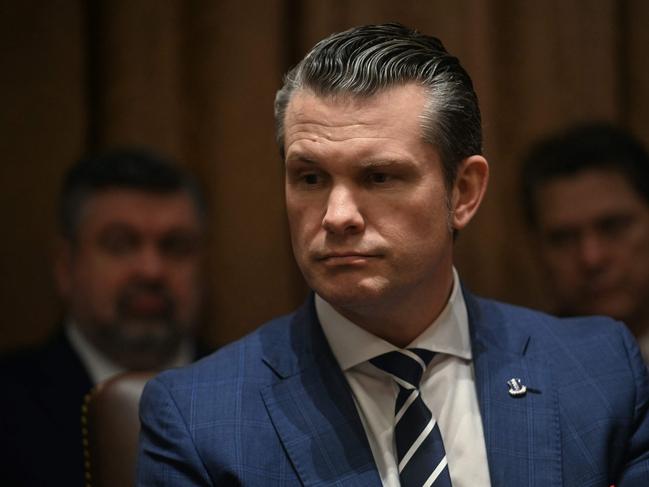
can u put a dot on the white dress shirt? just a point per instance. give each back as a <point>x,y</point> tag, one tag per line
<point>100,367</point>
<point>447,387</point>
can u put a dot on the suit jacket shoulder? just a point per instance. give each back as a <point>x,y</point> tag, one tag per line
<point>584,418</point>
<point>275,409</point>
<point>40,416</point>
<point>270,409</point>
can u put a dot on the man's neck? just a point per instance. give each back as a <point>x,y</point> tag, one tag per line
<point>101,366</point>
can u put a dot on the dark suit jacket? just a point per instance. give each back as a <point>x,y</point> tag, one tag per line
<point>275,409</point>
<point>40,416</point>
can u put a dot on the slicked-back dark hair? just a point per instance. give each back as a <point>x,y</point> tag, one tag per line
<point>123,168</point>
<point>595,145</point>
<point>365,60</point>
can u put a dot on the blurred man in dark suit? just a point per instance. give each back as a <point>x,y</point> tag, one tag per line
<point>586,193</point>
<point>128,269</point>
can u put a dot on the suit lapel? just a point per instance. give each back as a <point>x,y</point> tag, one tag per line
<point>64,383</point>
<point>522,434</point>
<point>312,409</point>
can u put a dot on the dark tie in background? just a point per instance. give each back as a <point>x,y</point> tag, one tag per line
<point>420,450</point>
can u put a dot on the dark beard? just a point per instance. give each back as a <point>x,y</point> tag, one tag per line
<point>142,341</point>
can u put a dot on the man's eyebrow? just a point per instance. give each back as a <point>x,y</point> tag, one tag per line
<point>371,163</point>
<point>117,225</point>
<point>299,157</point>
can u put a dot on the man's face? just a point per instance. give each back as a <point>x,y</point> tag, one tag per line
<point>131,279</point>
<point>594,231</point>
<point>367,205</point>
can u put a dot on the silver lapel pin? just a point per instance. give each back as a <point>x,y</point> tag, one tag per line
<point>516,387</point>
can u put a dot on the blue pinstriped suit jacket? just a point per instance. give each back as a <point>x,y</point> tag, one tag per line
<point>275,409</point>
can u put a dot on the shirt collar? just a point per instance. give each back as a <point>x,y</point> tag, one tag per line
<point>100,367</point>
<point>352,345</point>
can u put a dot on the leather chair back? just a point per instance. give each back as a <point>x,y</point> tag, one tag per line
<point>111,427</point>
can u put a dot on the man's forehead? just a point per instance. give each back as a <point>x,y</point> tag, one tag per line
<point>395,111</point>
<point>139,207</point>
<point>586,196</point>
<point>611,180</point>
<point>348,103</point>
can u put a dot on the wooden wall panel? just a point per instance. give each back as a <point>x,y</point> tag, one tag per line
<point>135,63</point>
<point>42,123</point>
<point>635,87</point>
<point>234,70</point>
<point>196,79</point>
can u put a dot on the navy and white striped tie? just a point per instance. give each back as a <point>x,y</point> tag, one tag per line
<point>420,450</point>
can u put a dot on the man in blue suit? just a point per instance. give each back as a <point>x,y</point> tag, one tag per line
<point>391,373</point>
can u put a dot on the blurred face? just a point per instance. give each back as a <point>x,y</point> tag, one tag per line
<point>132,279</point>
<point>367,206</point>
<point>594,232</point>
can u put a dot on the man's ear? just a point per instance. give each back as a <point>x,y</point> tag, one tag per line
<point>468,190</point>
<point>63,266</point>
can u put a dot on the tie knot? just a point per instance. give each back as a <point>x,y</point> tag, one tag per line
<point>405,366</point>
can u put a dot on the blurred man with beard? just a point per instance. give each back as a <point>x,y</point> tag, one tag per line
<point>128,270</point>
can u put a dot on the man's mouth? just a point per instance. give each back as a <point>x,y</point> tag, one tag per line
<point>602,288</point>
<point>335,259</point>
<point>146,304</point>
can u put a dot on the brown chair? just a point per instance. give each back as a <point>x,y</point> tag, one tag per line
<point>111,427</point>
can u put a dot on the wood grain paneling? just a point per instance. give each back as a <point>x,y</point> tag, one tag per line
<point>196,80</point>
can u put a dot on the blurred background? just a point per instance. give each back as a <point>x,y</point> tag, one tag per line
<point>196,79</point>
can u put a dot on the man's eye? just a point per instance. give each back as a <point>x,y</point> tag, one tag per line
<point>562,238</point>
<point>614,227</point>
<point>379,177</point>
<point>179,246</point>
<point>118,243</point>
<point>306,178</point>
<point>310,178</point>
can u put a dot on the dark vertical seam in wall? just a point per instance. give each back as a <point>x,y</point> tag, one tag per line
<point>93,72</point>
<point>622,61</point>
<point>185,31</point>
<point>291,37</point>
<point>292,34</point>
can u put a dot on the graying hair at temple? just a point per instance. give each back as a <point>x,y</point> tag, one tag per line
<point>365,60</point>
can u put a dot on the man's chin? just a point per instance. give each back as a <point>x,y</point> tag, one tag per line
<point>139,331</point>
<point>367,293</point>
<point>617,307</point>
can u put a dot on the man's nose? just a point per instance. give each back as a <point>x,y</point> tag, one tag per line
<point>150,262</point>
<point>343,215</point>
<point>592,251</point>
